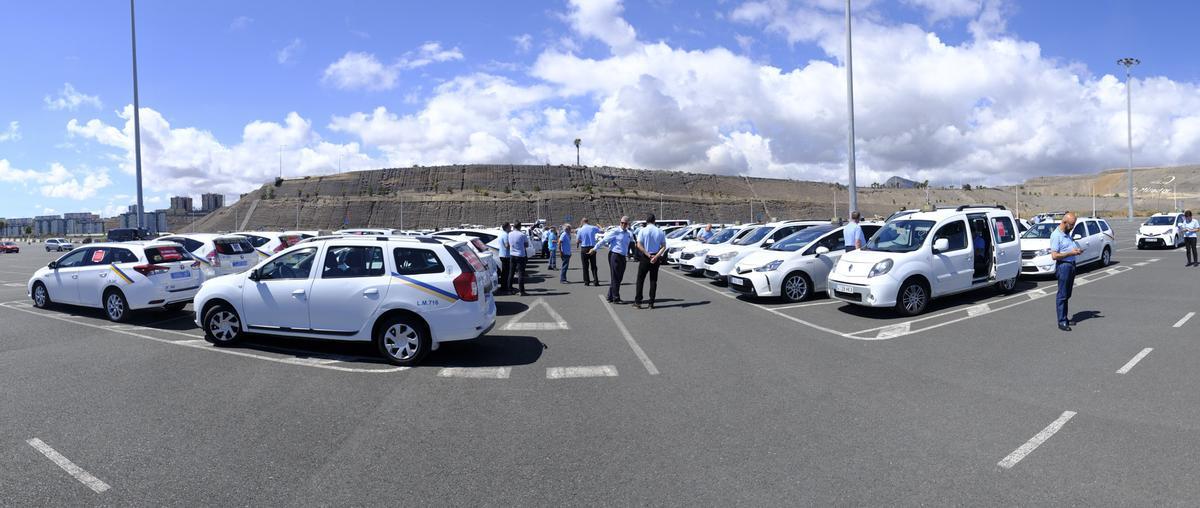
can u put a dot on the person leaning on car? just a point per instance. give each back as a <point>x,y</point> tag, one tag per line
<point>1063,250</point>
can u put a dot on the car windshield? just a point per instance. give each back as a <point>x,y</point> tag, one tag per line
<point>798,240</point>
<point>1161,220</point>
<point>1042,230</point>
<point>678,233</point>
<point>723,236</point>
<point>900,236</point>
<point>754,237</point>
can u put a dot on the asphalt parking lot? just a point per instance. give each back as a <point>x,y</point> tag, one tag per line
<point>709,399</point>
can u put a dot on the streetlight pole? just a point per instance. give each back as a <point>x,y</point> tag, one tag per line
<point>1128,63</point>
<point>850,113</point>
<point>281,162</point>
<point>137,124</point>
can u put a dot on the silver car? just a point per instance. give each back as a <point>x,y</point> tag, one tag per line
<point>59,245</point>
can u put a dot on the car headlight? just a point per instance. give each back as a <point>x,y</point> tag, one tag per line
<point>880,268</point>
<point>1042,252</point>
<point>700,252</point>
<point>726,256</point>
<point>770,267</point>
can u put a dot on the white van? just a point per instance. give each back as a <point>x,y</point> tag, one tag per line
<point>927,255</point>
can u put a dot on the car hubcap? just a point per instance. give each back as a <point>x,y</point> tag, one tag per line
<point>913,297</point>
<point>1008,284</point>
<point>115,309</point>
<point>39,296</point>
<point>401,341</point>
<point>1107,257</point>
<point>224,325</point>
<point>796,288</point>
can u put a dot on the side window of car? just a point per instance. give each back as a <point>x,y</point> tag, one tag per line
<point>784,233</point>
<point>293,265</point>
<point>73,259</point>
<point>352,261</point>
<point>1092,228</point>
<point>122,256</point>
<point>1080,230</point>
<point>1004,230</point>
<point>956,233</point>
<point>97,256</point>
<point>1104,225</point>
<point>417,261</point>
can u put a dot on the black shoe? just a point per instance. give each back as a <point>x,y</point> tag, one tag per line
<point>1064,327</point>
<point>617,301</point>
<point>651,305</point>
<point>638,305</point>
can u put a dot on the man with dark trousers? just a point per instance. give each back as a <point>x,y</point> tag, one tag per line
<point>1063,250</point>
<point>652,244</point>
<point>505,261</point>
<point>1190,227</point>
<point>587,241</point>
<point>518,245</point>
<point>618,241</point>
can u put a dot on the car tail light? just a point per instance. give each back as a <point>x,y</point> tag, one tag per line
<point>281,246</point>
<point>214,259</point>
<point>464,285</point>
<point>149,270</point>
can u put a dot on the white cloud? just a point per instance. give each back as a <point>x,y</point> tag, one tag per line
<point>57,182</point>
<point>524,43</point>
<point>601,19</point>
<point>70,99</point>
<point>289,53</point>
<point>937,10</point>
<point>241,23</point>
<point>13,133</point>
<point>363,71</point>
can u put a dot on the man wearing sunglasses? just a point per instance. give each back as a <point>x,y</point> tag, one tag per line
<point>617,241</point>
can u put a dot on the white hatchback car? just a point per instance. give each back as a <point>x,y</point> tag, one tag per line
<point>796,267</point>
<point>719,263</point>
<point>220,254</point>
<point>1161,230</point>
<point>407,295</point>
<point>1093,235</point>
<point>119,277</point>
<point>691,259</point>
<point>927,255</point>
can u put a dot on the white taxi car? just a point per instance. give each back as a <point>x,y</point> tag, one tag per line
<point>927,255</point>
<point>220,254</point>
<point>267,243</point>
<point>1093,235</point>
<point>795,267</point>
<point>691,259</point>
<point>1161,230</point>
<point>718,263</point>
<point>407,295</point>
<point>118,278</point>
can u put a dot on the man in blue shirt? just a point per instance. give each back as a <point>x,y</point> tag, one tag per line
<point>518,245</point>
<point>1063,250</point>
<point>1190,227</point>
<point>617,241</point>
<point>551,245</point>
<point>564,248</point>
<point>505,260</point>
<point>852,234</point>
<point>587,240</point>
<point>652,243</point>
<point>707,233</point>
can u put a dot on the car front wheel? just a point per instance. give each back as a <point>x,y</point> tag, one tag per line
<point>796,287</point>
<point>1006,286</point>
<point>222,326</point>
<point>912,299</point>
<point>402,341</point>
<point>41,297</point>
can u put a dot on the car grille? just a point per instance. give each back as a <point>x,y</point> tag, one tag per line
<point>710,260</point>
<point>687,255</point>
<point>673,250</point>
<point>1028,254</point>
<point>854,297</point>
<point>1029,269</point>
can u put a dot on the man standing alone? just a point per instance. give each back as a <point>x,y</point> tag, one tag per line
<point>1063,250</point>
<point>1190,227</point>
<point>551,245</point>
<point>617,241</point>
<point>505,261</point>
<point>852,235</point>
<point>587,243</point>
<point>518,244</point>
<point>652,243</point>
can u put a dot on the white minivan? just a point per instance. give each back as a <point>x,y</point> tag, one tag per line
<point>927,255</point>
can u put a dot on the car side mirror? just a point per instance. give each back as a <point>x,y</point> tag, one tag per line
<point>253,275</point>
<point>53,265</point>
<point>769,242</point>
<point>941,245</point>
<point>1077,236</point>
<point>822,250</point>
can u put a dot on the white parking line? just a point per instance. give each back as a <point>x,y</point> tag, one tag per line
<point>637,350</point>
<point>558,324</point>
<point>1185,319</point>
<point>476,372</point>
<point>576,372</point>
<point>726,294</point>
<point>1134,361</point>
<point>802,305</point>
<point>205,346</point>
<point>1013,458</point>
<point>978,310</point>
<point>84,477</point>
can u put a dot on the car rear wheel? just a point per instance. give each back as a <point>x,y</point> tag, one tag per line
<point>796,287</point>
<point>913,298</point>
<point>222,326</point>
<point>402,341</point>
<point>1106,257</point>
<point>115,306</point>
<point>41,297</point>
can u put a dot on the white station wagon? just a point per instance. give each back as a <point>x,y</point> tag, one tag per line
<point>407,295</point>
<point>927,255</point>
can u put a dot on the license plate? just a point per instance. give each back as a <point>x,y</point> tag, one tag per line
<point>842,288</point>
<point>237,264</point>
<point>180,275</point>
<point>737,280</point>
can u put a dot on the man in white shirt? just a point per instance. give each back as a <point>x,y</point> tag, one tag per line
<point>1190,227</point>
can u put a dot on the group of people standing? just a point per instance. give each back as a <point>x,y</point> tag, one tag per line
<point>649,246</point>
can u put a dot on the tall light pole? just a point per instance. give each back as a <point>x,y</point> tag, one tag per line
<point>137,124</point>
<point>850,112</point>
<point>1128,63</point>
<point>577,142</point>
<point>281,162</point>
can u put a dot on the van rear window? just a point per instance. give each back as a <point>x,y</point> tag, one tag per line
<point>231,247</point>
<point>165,254</point>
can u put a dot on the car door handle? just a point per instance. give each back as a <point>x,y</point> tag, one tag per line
<point>299,293</point>
<point>74,276</point>
<point>371,292</point>
<point>104,274</point>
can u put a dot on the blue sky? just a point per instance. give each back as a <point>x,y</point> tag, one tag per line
<point>1008,90</point>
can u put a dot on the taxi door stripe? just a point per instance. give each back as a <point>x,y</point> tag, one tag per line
<point>120,273</point>
<point>434,290</point>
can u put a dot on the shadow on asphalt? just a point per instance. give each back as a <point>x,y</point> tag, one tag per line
<point>509,308</point>
<point>487,351</point>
